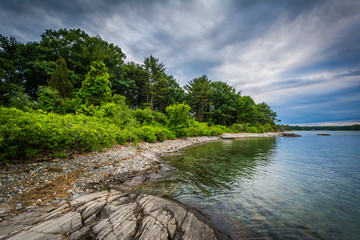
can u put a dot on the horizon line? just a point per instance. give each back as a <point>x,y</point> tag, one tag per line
<point>327,124</point>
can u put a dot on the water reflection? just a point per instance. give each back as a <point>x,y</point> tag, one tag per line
<point>295,188</point>
<point>215,168</point>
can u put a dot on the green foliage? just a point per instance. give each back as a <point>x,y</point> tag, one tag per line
<point>202,129</point>
<point>265,114</point>
<point>155,133</point>
<point>60,155</point>
<point>179,118</point>
<point>95,88</point>
<point>75,64</point>
<point>224,102</point>
<point>68,106</point>
<point>178,114</point>
<point>49,99</point>
<point>24,134</point>
<point>19,99</point>
<point>60,79</point>
<point>199,92</point>
<point>156,84</point>
<point>132,84</point>
<point>148,117</point>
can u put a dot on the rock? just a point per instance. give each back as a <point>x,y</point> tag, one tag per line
<point>135,181</point>
<point>323,134</point>
<point>246,135</point>
<point>154,177</point>
<point>123,216</point>
<point>55,201</point>
<point>290,135</point>
<point>164,168</point>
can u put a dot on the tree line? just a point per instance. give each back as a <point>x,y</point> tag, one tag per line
<point>62,58</point>
<point>355,127</point>
<point>71,90</point>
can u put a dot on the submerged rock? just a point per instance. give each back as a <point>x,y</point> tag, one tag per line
<point>118,215</point>
<point>290,135</point>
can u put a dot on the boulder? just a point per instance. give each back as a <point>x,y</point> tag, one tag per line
<point>117,215</point>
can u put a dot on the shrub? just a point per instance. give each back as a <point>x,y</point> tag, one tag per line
<point>148,117</point>
<point>153,133</point>
<point>24,134</point>
<point>147,133</point>
<point>96,88</point>
<point>49,99</point>
<point>218,130</point>
<point>178,114</point>
<point>237,128</point>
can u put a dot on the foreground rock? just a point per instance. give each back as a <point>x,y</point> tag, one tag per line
<point>118,215</point>
<point>29,186</point>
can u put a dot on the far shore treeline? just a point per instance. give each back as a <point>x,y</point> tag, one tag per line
<point>72,91</point>
<point>355,127</point>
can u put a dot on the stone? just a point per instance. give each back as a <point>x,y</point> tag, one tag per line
<point>135,181</point>
<point>140,217</point>
<point>290,135</point>
<point>154,177</point>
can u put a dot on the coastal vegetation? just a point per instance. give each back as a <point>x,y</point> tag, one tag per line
<point>73,91</point>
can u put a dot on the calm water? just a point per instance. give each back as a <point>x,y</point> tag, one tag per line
<point>277,188</point>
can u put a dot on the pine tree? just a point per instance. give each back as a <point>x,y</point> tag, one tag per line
<point>96,89</point>
<point>60,79</point>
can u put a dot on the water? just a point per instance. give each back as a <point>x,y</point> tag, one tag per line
<point>277,188</point>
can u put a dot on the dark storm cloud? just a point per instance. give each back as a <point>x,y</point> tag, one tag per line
<point>299,56</point>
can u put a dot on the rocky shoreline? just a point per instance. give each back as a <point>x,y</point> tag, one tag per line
<point>30,192</point>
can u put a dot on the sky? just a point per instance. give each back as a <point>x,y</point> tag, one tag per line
<point>302,57</point>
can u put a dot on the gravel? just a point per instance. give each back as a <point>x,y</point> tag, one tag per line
<point>24,185</point>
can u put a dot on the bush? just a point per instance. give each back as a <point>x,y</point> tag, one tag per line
<point>24,134</point>
<point>49,99</point>
<point>237,128</point>
<point>218,130</point>
<point>178,114</point>
<point>202,129</point>
<point>153,133</point>
<point>148,117</point>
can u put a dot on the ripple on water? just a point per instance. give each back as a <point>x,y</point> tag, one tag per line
<point>283,188</point>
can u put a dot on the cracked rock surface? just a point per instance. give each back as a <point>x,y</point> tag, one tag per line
<point>118,215</point>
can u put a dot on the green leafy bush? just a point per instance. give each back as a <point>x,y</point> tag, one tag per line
<point>24,134</point>
<point>49,99</point>
<point>148,117</point>
<point>154,133</point>
<point>178,114</point>
<point>237,128</point>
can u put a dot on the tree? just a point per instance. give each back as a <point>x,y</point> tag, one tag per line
<point>60,79</point>
<point>10,79</point>
<point>265,114</point>
<point>174,94</point>
<point>246,110</point>
<point>80,50</point>
<point>96,88</point>
<point>199,92</point>
<point>156,82</point>
<point>131,84</point>
<point>223,103</point>
<point>49,99</point>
